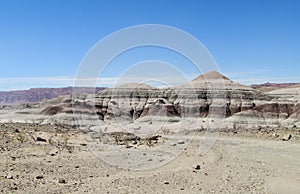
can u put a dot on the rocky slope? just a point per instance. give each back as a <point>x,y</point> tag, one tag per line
<point>210,93</point>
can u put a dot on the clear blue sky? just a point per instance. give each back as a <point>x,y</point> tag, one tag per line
<point>42,42</point>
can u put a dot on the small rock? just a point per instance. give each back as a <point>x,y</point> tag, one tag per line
<point>53,152</point>
<point>39,177</point>
<point>62,181</point>
<point>41,139</point>
<point>76,166</point>
<point>14,186</point>
<point>17,131</point>
<point>83,144</point>
<point>166,183</point>
<point>128,146</point>
<point>275,135</point>
<point>134,142</point>
<point>173,144</point>
<point>180,141</point>
<point>9,177</point>
<point>137,128</point>
<point>286,137</point>
<point>154,137</point>
<point>121,143</point>
<point>197,167</point>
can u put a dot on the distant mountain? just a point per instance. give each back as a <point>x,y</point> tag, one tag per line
<point>40,94</point>
<point>267,87</point>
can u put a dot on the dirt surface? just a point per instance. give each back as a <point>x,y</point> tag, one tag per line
<point>56,159</point>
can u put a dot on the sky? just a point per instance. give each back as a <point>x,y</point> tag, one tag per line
<point>43,42</point>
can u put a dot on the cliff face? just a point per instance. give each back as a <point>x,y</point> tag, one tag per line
<point>203,96</point>
<point>209,95</point>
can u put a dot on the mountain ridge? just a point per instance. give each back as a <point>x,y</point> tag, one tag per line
<point>32,95</point>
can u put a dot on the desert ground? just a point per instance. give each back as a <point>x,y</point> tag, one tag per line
<point>211,135</point>
<point>39,158</point>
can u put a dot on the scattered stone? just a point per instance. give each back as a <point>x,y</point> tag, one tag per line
<point>197,167</point>
<point>53,152</point>
<point>121,143</point>
<point>206,174</point>
<point>166,183</point>
<point>275,135</point>
<point>39,177</point>
<point>134,142</point>
<point>154,137</point>
<point>9,177</point>
<point>62,181</point>
<point>76,166</point>
<point>41,139</point>
<point>128,146</point>
<point>286,137</point>
<point>180,142</point>
<point>14,186</point>
<point>136,128</point>
<point>173,144</point>
<point>83,144</point>
<point>17,131</point>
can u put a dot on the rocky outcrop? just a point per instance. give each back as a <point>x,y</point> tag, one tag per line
<point>210,93</point>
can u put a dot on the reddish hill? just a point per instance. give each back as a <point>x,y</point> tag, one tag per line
<point>40,94</point>
<point>267,87</point>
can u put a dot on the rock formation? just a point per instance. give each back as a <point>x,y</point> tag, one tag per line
<point>208,96</point>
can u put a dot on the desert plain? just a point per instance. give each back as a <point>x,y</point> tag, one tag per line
<point>138,139</point>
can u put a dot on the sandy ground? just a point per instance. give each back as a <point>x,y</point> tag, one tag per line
<point>237,163</point>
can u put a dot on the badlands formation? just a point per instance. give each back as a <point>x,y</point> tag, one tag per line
<point>135,138</point>
<point>209,95</point>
